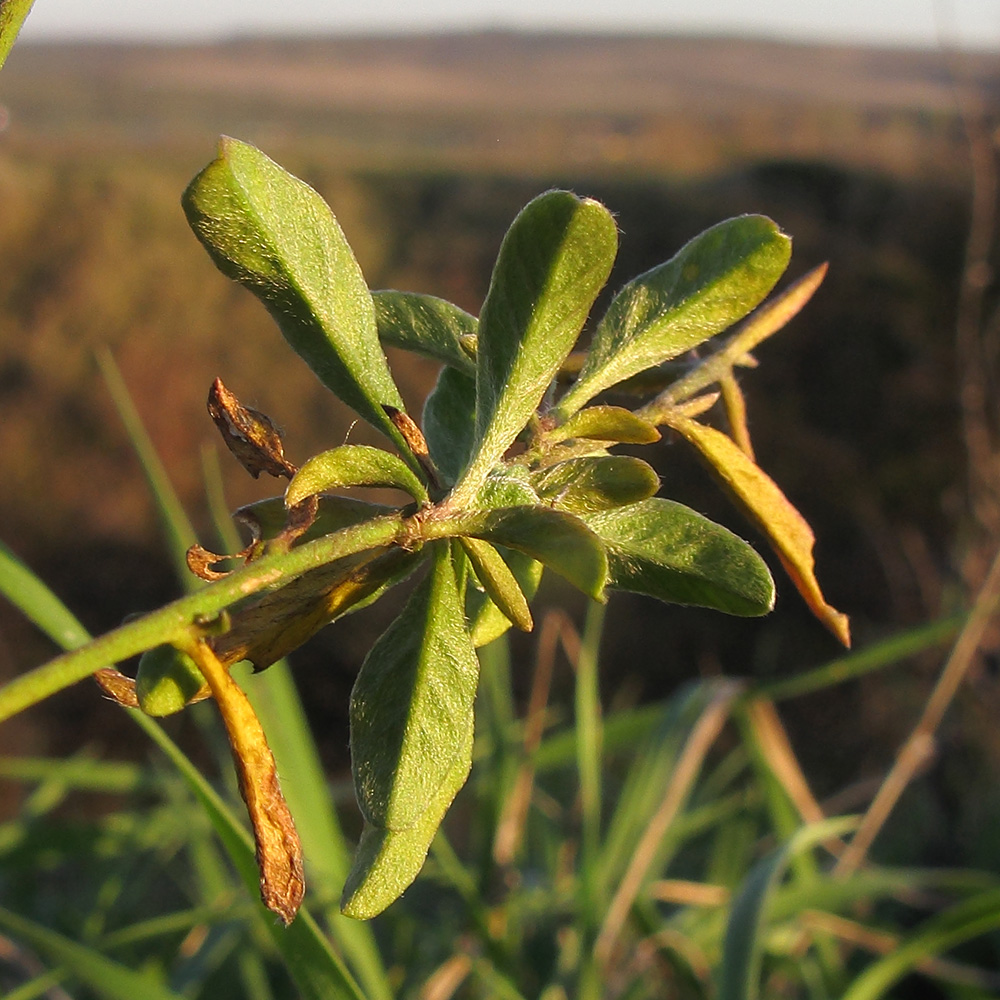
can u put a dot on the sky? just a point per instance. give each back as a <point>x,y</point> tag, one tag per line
<point>968,23</point>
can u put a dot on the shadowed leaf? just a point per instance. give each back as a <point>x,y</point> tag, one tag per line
<point>429,326</point>
<point>594,483</point>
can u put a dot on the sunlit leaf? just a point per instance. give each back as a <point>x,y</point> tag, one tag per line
<point>594,483</point>
<point>352,465</point>
<point>486,621</point>
<point>555,538</point>
<point>713,282</point>
<point>498,581</point>
<point>785,527</point>
<point>554,260</point>
<point>605,423</point>
<point>387,861</point>
<point>428,326</point>
<point>166,680</point>
<point>274,234</point>
<point>666,550</point>
<point>411,706</point>
<point>12,15</point>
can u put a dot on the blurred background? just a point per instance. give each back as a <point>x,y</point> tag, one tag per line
<point>868,132</point>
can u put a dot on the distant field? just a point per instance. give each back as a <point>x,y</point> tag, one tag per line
<point>496,101</point>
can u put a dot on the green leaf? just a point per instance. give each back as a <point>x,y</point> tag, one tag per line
<point>739,975</point>
<point>429,326</point>
<point>352,465</point>
<point>968,919</point>
<point>595,483</point>
<point>555,258</point>
<point>274,234</point>
<point>559,540</point>
<point>605,423</point>
<point>449,422</point>
<point>412,703</point>
<point>666,550</point>
<point>387,861</point>
<point>506,486</point>
<point>12,15</point>
<point>105,977</point>
<point>715,280</point>
<point>498,581</point>
<point>486,621</point>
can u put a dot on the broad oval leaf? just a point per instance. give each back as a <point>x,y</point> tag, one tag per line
<point>449,422</point>
<point>594,483</point>
<point>427,325</point>
<point>506,486</point>
<point>605,423</point>
<point>387,861</point>
<point>666,550</point>
<point>275,235</point>
<point>715,280</point>
<point>555,258</point>
<point>411,707</point>
<point>352,465</point>
<point>555,538</point>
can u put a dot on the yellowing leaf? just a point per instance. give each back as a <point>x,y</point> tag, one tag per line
<point>789,534</point>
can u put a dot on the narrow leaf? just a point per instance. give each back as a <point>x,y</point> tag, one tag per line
<point>605,423</point>
<point>713,282</point>
<point>787,530</point>
<point>426,325</point>
<point>107,978</point>
<point>739,975</point>
<point>498,581</point>
<point>554,260</point>
<point>412,703</point>
<point>274,234</point>
<point>387,861</point>
<point>559,540</point>
<point>449,422</point>
<point>595,483</point>
<point>486,621</point>
<point>666,550</point>
<point>352,465</point>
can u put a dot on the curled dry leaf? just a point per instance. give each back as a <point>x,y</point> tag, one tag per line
<point>279,852</point>
<point>249,434</point>
<point>789,534</point>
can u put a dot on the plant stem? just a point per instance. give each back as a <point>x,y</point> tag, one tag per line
<point>177,621</point>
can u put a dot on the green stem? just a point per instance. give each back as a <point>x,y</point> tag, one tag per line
<point>176,621</point>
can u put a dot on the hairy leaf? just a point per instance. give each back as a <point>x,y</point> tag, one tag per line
<point>557,539</point>
<point>352,465</point>
<point>596,482</point>
<point>426,325</point>
<point>554,260</point>
<point>274,234</point>
<point>387,861</point>
<point>411,706</point>
<point>486,621</point>
<point>449,421</point>
<point>666,550</point>
<point>498,581</point>
<point>715,280</point>
<point>605,423</point>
